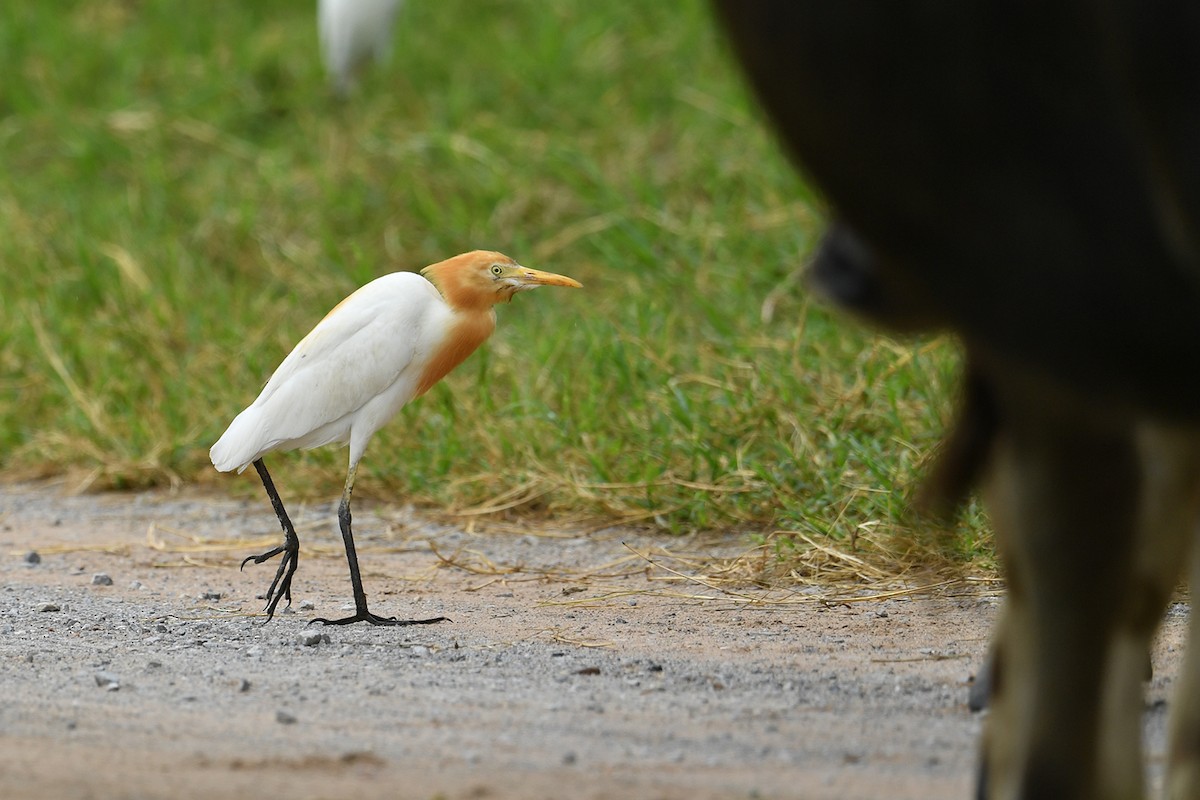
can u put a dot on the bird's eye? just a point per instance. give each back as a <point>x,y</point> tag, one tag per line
<point>496,269</point>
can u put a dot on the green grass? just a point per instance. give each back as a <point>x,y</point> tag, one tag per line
<point>181,200</point>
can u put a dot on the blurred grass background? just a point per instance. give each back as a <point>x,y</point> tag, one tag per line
<point>181,199</point>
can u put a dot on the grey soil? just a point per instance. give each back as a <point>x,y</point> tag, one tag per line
<point>571,669</point>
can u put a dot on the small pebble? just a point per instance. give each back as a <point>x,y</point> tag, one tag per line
<point>285,717</point>
<point>135,584</point>
<point>101,579</point>
<point>49,607</point>
<point>306,605</point>
<point>107,681</point>
<point>211,596</point>
<point>244,686</point>
<point>32,557</point>
<point>312,639</point>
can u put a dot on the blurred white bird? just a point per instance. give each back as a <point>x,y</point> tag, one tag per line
<point>381,347</point>
<point>353,32</point>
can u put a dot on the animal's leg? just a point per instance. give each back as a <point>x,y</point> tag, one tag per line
<point>980,693</point>
<point>1169,461</point>
<point>1169,499</point>
<point>282,585</point>
<point>979,696</point>
<point>1183,762</point>
<point>361,614</point>
<point>1063,495</point>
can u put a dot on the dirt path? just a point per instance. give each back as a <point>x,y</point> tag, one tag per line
<point>572,668</point>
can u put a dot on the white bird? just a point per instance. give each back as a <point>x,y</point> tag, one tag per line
<point>353,32</point>
<point>381,347</point>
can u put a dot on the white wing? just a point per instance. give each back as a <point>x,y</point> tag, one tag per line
<point>368,350</point>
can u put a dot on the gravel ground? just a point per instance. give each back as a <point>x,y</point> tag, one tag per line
<point>136,665</point>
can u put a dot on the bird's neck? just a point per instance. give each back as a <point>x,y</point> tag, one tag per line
<point>468,329</point>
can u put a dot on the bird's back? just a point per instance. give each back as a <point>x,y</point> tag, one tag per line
<point>362,359</point>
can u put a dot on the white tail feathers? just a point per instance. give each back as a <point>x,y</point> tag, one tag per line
<point>239,445</point>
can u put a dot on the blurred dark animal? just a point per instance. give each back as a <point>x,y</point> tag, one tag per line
<point>1027,175</point>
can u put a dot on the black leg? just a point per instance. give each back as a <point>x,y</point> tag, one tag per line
<point>281,587</point>
<point>361,614</point>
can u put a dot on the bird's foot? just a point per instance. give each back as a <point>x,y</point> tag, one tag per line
<point>281,587</point>
<point>363,615</point>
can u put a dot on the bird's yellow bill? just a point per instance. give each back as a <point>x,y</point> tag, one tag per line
<point>535,277</point>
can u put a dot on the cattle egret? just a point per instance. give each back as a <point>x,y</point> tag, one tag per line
<point>352,33</point>
<point>381,347</point>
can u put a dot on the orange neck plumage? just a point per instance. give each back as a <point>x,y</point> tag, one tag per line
<point>465,286</point>
<point>469,330</point>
